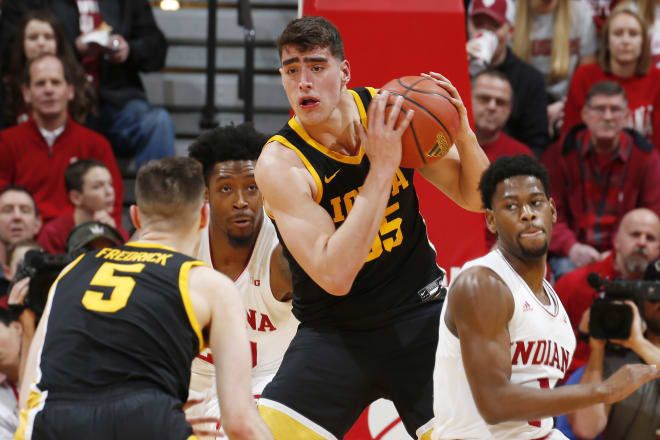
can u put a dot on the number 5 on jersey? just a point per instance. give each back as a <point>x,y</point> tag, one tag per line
<point>122,287</point>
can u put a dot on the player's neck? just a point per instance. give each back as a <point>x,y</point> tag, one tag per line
<point>531,270</point>
<point>185,243</point>
<point>227,257</point>
<point>337,131</point>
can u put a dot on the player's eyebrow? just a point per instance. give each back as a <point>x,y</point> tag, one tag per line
<point>306,60</point>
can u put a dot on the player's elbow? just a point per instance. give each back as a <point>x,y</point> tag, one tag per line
<point>337,285</point>
<point>492,412</point>
<point>239,427</point>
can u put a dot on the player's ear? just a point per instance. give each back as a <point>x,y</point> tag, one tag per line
<point>345,68</point>
<point>135,216</point>
<point>204,216</point>
<point>490,221</point>
<point>554,210</point>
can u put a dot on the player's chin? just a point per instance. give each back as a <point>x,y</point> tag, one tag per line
<point>534,250</point>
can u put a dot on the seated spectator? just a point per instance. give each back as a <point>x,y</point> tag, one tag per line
<point>598,172</point>
<point>492,98</point>
<point>528,122</point>
<point>35,154</point>
<point>89,186</point>
<point>555,36</point>
<point>638,415</point>
<point>636,243</point>
<point>19,221</point>
<point>135,45</point>
<point>40,34</point>
<point>623,57</point>
<point>11,353</point>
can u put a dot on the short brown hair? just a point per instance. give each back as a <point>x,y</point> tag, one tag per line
<point>307,33</point>
<point>170,189</point>
<point>607,88</point>
<point>604,54</point>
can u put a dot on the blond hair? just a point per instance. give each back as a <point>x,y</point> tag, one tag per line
<point>605,55</point>
<point>560,55</point>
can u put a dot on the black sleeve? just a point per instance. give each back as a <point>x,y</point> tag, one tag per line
<point>147,42</point>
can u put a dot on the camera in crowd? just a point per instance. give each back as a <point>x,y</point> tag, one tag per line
<point>609,317</point>
<point>43,268</point>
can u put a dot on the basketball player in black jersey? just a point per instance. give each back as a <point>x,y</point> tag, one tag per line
<point>364,272</point>
<point>111,357</point>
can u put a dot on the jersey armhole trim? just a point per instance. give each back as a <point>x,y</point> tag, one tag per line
<point>187,303</point>
<point>319,186</point>
<point>65,271</point>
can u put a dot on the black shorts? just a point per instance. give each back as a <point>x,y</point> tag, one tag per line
<point>145,415</point>
<point>329,376</point>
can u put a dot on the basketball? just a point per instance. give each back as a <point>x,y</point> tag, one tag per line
<point>432,130</point>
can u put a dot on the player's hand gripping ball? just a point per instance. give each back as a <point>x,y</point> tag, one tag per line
<point>432,130</point>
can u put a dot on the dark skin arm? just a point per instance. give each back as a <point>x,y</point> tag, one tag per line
<point>281,283</point>
<point>478,312</point>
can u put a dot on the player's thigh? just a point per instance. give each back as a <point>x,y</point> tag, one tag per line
<point>321,387</point>
<point>407,367</point>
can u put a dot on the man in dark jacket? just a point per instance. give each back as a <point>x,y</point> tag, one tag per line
<point>135,44</point>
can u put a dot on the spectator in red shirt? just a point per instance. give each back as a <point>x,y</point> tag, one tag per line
<point>35,154</point>
<point>89,186</point>
<point>598,172</point>
<point>636,243</point>
<point>624,57</point>
<point>492,97</point>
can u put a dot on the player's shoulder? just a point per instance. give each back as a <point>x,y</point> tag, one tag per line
<point>204,278</point>
<point>477,287</point>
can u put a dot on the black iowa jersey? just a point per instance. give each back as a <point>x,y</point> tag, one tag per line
<point>401,260</point>
<point>121,316</point>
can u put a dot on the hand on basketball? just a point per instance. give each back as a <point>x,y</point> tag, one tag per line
<point>464,129</point>
<point>626,380</point>
<point>382,141</point>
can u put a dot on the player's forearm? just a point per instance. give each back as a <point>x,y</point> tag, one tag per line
<point>517,402</point>
<point>473,164</point>
<point>347,248</point>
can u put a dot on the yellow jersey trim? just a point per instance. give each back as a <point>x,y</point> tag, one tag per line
<point>150,246</point>
<point>354,160</point>
<point>187,303</point>
<point>319,187</point>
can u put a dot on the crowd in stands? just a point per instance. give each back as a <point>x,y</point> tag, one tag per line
<point>575,83</point>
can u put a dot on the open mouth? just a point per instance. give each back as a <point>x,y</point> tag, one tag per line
<point>308,102</point>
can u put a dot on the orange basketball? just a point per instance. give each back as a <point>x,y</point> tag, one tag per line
<point>431,132</point>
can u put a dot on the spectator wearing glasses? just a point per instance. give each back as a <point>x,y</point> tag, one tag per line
<point>599,171</point>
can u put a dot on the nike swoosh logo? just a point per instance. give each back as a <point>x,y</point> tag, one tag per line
<point>328,179</point>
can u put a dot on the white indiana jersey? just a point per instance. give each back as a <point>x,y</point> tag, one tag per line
<point>542,345</point>
<point>270,323</point>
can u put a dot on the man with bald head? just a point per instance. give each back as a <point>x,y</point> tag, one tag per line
<point>635,244</point>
